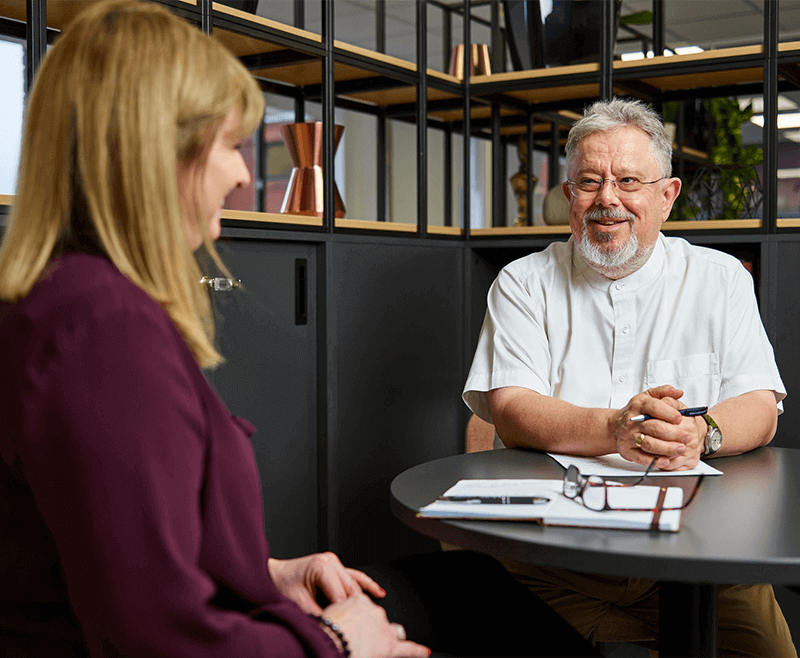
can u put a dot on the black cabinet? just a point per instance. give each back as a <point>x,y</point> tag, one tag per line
<point>266,330</point>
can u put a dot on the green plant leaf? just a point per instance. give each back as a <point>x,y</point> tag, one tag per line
<point>639,18</point>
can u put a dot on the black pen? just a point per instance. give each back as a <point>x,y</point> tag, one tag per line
<point>496,500</point>
<point>691,411</point>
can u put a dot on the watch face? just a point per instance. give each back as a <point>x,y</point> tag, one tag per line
<point>715,440</point>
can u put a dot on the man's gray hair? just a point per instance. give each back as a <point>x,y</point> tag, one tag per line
<point>619,113</point>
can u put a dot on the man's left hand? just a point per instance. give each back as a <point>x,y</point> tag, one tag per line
<point>301,578</point>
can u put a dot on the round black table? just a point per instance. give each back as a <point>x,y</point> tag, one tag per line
<point>741,528</point>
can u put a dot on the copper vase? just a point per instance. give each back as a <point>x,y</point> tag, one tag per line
<point>480,62</point>
<point>304,193</point>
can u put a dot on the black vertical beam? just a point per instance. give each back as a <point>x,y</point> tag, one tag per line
<point>498,182</point>
<point>382,168</point>
<point>499,151</point>
<point>299,22</point>
<point>553,173</point>
<point>328,118</point>
<point>607,51</point>
<point>467,119</point>
<point>498,43</point>
<point>447,48</point>
<point>382,122</point>
<point>529,171</point>
<point>206,16</point>
<point>380,26</point>
<point>448,176</point>
<point>260,156</point>
<point>659,29</point>
<point>447,37</point>
<point>35,39</point>
<point>769,208</point>
<point>422,118</point>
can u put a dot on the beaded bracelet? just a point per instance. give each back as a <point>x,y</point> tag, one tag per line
<point>336,631</point>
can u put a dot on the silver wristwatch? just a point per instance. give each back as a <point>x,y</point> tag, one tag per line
<point>713,436</point>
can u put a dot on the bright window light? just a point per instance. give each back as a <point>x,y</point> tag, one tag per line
<point>680,50</point>
<point>11,104</point>
<point>627,57</point>
<point>789,173</point>
<point>788,120</point>
<point>793,135</point>
<point>784,103</point>
<point>688,50</point>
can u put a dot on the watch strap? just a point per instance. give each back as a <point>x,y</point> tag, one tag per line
<point>712,427</point>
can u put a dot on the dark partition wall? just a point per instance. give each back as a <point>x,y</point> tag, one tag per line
<point>785,314</point>
<point>396,335</point>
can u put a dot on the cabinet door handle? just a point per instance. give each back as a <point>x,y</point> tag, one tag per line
<point>301,291</point>
<point>221,283</point>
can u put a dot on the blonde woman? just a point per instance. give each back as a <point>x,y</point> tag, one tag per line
<point>131,518</point>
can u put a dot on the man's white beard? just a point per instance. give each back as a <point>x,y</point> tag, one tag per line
<point>616,263</point>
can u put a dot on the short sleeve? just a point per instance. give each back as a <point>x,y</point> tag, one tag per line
<point>512,348</point>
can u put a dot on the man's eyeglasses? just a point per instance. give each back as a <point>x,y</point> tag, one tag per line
<point>626,185</point>
<point>593,491</point>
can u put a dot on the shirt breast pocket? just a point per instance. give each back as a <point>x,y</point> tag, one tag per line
<point>696,375</point>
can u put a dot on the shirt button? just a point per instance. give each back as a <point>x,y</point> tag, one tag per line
<point>619,286</point>
<point>625,330</point>
<point>622,379</point>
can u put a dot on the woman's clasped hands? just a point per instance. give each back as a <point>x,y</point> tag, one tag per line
<point>363,623</point>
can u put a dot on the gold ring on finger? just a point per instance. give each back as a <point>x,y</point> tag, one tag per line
<point>639,440</point>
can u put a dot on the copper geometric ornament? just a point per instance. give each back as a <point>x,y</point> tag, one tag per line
<point>304,193</point>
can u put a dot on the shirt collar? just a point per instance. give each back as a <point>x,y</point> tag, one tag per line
<point>644,275</point>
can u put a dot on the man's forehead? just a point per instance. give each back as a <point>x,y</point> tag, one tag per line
<point>627,146</point>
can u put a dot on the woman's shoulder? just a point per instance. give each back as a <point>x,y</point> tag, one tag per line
<point>79,297</point>
<point>88,287</point>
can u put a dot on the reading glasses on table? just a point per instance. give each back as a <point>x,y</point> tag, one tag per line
<point>593,491</point>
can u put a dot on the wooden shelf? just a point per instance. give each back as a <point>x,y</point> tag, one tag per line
<point>713,68</point>
<point>59,12</point>
<point>497,231</point>
<point>274,218</point>
<point>564,229</point>
<point>712,225</point>
<point>363,224</point>
<point>298,56</point>
<point>445,230</point>
<point>6,199</point>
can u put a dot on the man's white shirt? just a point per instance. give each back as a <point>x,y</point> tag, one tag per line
<point>688,317</point>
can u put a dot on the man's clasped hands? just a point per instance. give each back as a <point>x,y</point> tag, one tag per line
<point>678,441</point>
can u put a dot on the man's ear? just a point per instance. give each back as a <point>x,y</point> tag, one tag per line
<point>670,191</point>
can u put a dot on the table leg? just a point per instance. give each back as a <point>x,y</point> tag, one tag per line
<point>687,620</point>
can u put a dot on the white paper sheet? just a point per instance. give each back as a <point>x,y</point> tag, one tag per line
<point>617,466</point>
<point>560,510</point>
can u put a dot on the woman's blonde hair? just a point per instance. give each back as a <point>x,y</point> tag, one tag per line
<point>127,93</point>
